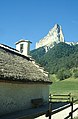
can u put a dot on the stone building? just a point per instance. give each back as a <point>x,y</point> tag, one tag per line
<point>55,35</point>
<point>21,80</point>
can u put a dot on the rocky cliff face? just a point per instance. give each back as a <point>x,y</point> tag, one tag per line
<point>54,36</point>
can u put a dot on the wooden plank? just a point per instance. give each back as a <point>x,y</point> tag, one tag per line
<point>61,95</point>
<point>60,98</point>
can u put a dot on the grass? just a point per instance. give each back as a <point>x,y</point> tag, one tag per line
<point>65,87</point>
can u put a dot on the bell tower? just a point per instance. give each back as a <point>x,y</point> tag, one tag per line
<point>23,46</point>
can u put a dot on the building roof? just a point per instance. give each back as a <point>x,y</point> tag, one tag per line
<point>16,67</point>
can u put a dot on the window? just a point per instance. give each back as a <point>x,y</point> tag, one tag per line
<point>21,47</point>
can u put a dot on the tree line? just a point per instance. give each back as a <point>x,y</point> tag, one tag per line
<point>58,60</point>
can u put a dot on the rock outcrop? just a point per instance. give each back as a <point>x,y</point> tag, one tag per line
<point>54,36</point>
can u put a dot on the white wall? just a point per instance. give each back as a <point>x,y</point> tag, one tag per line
<point>15,97</point>
<point>26,47</point>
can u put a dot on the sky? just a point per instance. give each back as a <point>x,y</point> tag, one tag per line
<point>32,20</point>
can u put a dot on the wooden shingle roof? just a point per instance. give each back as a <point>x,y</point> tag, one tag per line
<point>17,67</point>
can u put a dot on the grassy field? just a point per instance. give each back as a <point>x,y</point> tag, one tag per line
<point>65,87</point>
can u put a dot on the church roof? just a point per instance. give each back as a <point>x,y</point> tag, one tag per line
<point>16,67</point>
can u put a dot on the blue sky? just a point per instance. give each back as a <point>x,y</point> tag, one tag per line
<point>32,19</point>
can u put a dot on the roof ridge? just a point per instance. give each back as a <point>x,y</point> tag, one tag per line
<point>13,50</point>
<point>15,68</point>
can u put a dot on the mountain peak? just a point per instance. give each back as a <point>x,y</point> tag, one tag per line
<point>55,35</point>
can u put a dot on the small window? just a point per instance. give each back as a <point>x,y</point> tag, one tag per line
<point>21,48</point>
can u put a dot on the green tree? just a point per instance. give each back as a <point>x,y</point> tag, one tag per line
<point>63,74</point>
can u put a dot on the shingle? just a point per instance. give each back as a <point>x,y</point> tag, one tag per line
<point>19,68</point>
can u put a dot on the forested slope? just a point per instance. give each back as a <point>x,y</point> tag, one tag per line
<point>61,57</point>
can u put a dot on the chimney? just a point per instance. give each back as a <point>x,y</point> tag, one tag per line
<point>23,46</point>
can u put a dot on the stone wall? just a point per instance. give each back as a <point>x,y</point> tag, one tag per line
<point>14,97</point>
